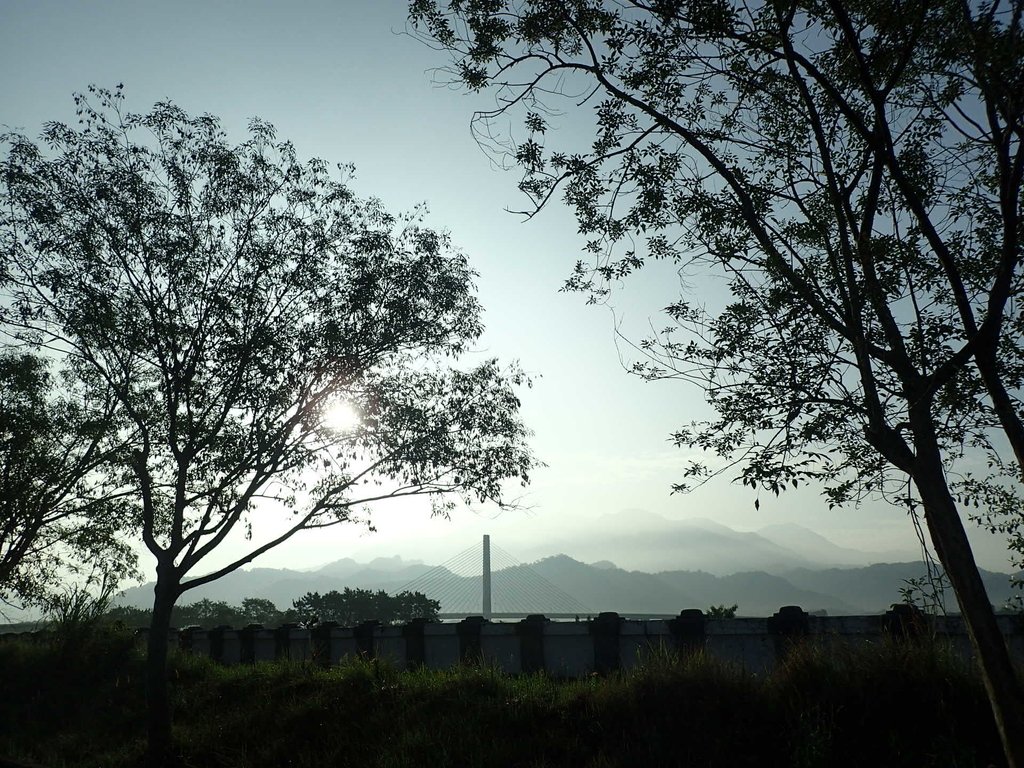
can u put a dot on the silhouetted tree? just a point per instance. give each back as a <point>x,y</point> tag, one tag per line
<point>225,298</point>
<point>208,613</point>
<point>353,606</point>
<point>131,616</point>
<point>259,610</point>
<point>59,515</point>
<point>856,169</point>
<point>722,611</point>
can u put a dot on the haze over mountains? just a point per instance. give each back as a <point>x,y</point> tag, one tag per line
<point>707,545</point>
<point>778,565</point>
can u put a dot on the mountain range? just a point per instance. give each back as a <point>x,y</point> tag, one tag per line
<point>782,565</point>
<point>651,542</point>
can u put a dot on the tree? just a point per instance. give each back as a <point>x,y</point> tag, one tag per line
<point>413,605</point>
<point>354,606</point>
<point>129,616</point>
<point>722,611</point>
<point>856,169</point>
<point>59,517</point>
<point>207,613</point>
<point>226,298</point>
<point>259,610</point>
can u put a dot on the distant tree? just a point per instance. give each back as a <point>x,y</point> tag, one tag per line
<point>414,605</point>
<point>721,612</point>
<point>354,606</point>
<point>225,298</point>
<point>60,517</point>
<point>208,613</point>
<point>130,616</point>
<point>259,610</point>
<point>857,170</point>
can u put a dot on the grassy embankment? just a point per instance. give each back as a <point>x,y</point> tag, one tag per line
<point>885,705</point>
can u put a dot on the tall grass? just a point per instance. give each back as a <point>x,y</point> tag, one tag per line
<point>889,703</point>
<point>877,705</point>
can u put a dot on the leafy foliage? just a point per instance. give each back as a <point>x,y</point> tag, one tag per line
<point>348,608</point>
<point>721,611</point>
<point>354,606</point>
<point>59,515</point>
<point>222,299</point>
<point>833,158</point>
<point>856,170</point>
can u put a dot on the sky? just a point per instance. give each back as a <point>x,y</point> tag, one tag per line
<point>342,81</point>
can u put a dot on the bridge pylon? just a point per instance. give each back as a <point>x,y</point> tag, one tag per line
<point>486,578</point>
<point>490,582</point>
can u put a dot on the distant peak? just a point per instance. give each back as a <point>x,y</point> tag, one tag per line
<point>559,558</point>
<point>393,562</point>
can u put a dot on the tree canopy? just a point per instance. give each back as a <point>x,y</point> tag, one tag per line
<point>224,298</point>
<point>855,168</point>
<point>354,606</point>
<point>348,607</point>
<point>60,517</point>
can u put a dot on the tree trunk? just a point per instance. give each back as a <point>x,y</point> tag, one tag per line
<point>159,752</point>
<point>954,551</point>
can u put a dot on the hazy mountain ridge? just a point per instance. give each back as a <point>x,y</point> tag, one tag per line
<point>282,585</point>
<point>815,546</point>
<point>603,587</point>
<point>884,581</point>
<point>760,571</point>
<point>701,544</point>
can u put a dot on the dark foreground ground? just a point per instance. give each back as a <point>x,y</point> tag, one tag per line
<point>66,704</point>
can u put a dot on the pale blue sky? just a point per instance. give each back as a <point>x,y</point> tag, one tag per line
<point>338,80</point>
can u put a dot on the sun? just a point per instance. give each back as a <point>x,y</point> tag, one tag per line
<point>341,416</point>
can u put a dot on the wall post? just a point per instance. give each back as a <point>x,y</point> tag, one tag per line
<point>364,634</point>
<point>283,640</point>
<point>415,644</point>
<point>904,622</point>
<point>605,631</point>
<point>689,630</point>
<point>320,637</point>
<point>217,642</point>
<point>531,642</point>
<point>788,626</point>
<point>468,631</point>
<point>247,643</point>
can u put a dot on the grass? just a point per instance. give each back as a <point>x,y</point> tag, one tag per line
<point>881,705</point>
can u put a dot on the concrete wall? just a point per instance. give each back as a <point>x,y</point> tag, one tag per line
<point>573,649</point>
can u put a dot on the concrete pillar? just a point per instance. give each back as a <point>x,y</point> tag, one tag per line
<point>415,646</point>
<point>320,637</point>
<point>904,622</point>
<point>364,634</point>
<point>604,632</point>
<point>283,641</point>
<point>184,636</point>
<point>217,642</point>
<point>531,642</point>
<point>689,631</point>
<point>468,631</point>
<point>247,643</point>
<point>788,626</point>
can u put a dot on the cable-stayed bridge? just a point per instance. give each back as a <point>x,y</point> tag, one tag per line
<point>485,580</point>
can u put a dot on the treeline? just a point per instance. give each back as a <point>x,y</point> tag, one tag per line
<point>348,608</point>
